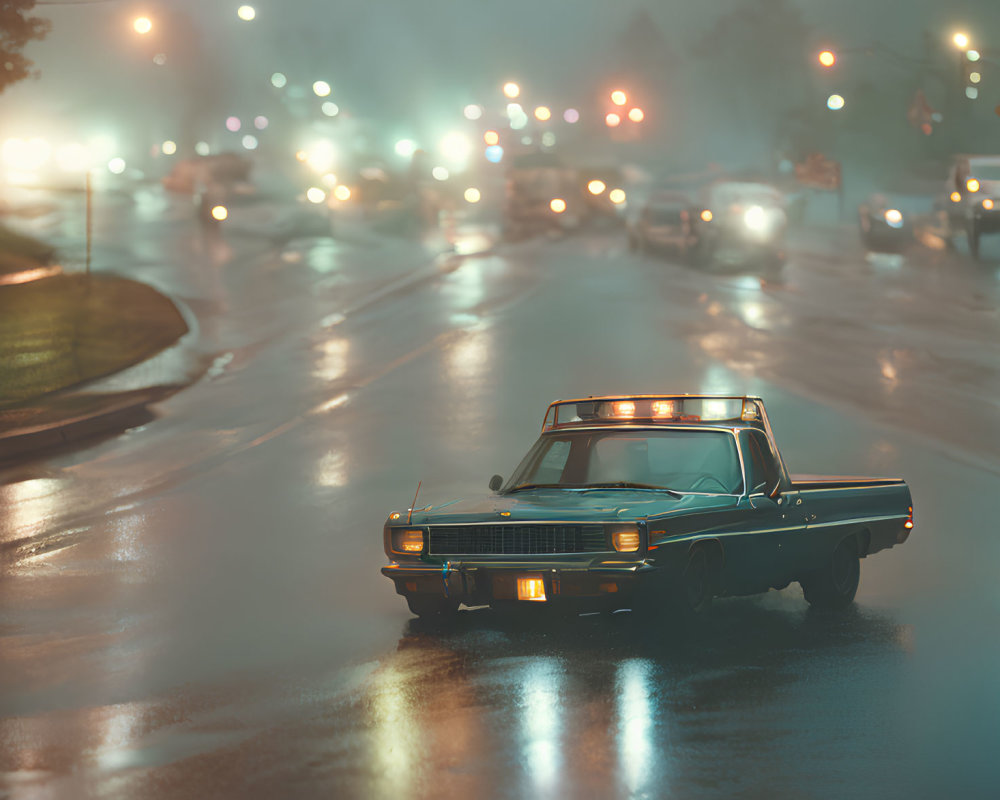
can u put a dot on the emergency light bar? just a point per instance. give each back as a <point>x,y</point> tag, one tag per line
<point>647,409</point>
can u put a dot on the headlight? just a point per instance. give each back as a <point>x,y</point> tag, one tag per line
<point>755,219</point>
<point>626,540</point>
<point>408,541</point>
<point>894,218</point>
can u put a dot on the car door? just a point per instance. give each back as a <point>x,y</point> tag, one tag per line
<point>780,512</point>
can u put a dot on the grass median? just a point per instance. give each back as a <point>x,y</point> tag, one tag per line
<point>67,329</point>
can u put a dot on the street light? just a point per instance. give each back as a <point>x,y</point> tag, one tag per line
<point>960,40</point>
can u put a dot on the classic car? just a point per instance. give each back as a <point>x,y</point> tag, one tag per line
<point>636,501</point>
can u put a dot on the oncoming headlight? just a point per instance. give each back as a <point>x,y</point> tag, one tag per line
<point>755,219</point>
<point>408,541</point>
<point>894,218</point>
<point>626,540</point>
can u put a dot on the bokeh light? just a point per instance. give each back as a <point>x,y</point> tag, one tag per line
<point>596,186</point>
<point>571,115</point>
<point>491,137</point>
<point>246,13</point>
<point>202,148</point>
<point>618,97</point>
<point>612,120</point>
<point>220,213</point>
<point>440,173</point>
<point>169,148</point>
<point>142,25</point>
<point>250,142</point>
<point>261,122</point>
<point>278,80</point>
<point>827,58</point>
<point>543,113</point>
<point>315,195</point>
<point>456,147</point>
<point>342,192</point>
<point>961,40</point>
<point>472,195</point>
<point>511,89</point>
<point>406,148</point>
<point>548,139</point>
<point>472,111</point>
<point>494,154</point>
<point>330,109</point>
<point>116,166</point>
<point>558,205</point>
<point>835,102</point>
<point>636,114</point>
<point>233,124</point>
<point>321,89</point>
<point>616,196</point>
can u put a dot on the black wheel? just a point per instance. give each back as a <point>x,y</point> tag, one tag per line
<point>693,592</point>
<point>835,585</point>
<point>431,606</point>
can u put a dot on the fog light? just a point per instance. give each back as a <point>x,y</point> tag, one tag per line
<point>531,587</point>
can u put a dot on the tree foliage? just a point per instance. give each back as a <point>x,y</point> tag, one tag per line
<point>17,29</point>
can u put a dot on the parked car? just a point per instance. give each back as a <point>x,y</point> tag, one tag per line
<point>638,501</point>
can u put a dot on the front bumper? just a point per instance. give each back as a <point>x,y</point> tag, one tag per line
<point>608,584</point>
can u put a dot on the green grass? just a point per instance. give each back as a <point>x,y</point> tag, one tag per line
<point>67,329</point>
<point>19,252</point>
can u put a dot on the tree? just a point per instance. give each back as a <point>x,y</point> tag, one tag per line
<point>17,28</point>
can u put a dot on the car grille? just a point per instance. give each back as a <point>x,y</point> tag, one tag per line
<point>515,539</point>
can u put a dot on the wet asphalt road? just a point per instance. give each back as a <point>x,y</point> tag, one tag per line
<point>194,608</point>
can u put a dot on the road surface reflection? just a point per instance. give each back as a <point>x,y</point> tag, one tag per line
<point>618,706</point>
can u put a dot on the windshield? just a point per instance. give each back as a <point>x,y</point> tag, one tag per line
<point>699,461</point>
<point>985,171</point>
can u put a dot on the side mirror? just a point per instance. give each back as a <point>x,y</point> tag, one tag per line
<point>495,483</point>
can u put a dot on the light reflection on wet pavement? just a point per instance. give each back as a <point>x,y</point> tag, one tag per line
<point>204,614</point>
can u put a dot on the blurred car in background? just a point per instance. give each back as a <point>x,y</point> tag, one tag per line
<point>884,226</point>
<point>662,223</point>
<point>740,221</point>
<point>189,175</point>
<point>972,205</point>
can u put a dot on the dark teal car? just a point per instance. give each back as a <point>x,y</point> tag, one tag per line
<point>635,500</point>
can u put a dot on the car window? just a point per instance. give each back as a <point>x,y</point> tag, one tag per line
<point>553,462</point>
<point>763,466</point>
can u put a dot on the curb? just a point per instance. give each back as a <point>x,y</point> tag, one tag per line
<point>125,410</point>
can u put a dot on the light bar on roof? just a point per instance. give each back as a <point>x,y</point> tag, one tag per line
<point>645,409</point>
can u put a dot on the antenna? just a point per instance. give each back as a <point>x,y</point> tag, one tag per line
<point>413,505</point>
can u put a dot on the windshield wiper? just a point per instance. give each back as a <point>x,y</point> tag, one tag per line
<point>536,486</point>
<point>630,485</point>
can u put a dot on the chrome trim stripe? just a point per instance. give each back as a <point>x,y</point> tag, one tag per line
<point>802,527</point>
<point>851,488</point>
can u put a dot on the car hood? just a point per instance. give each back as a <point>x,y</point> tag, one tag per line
<point>562,505</point>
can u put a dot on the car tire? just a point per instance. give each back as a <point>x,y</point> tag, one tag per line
<point>694,589</point>
<point>431,607</point>
<point>835,585</point>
